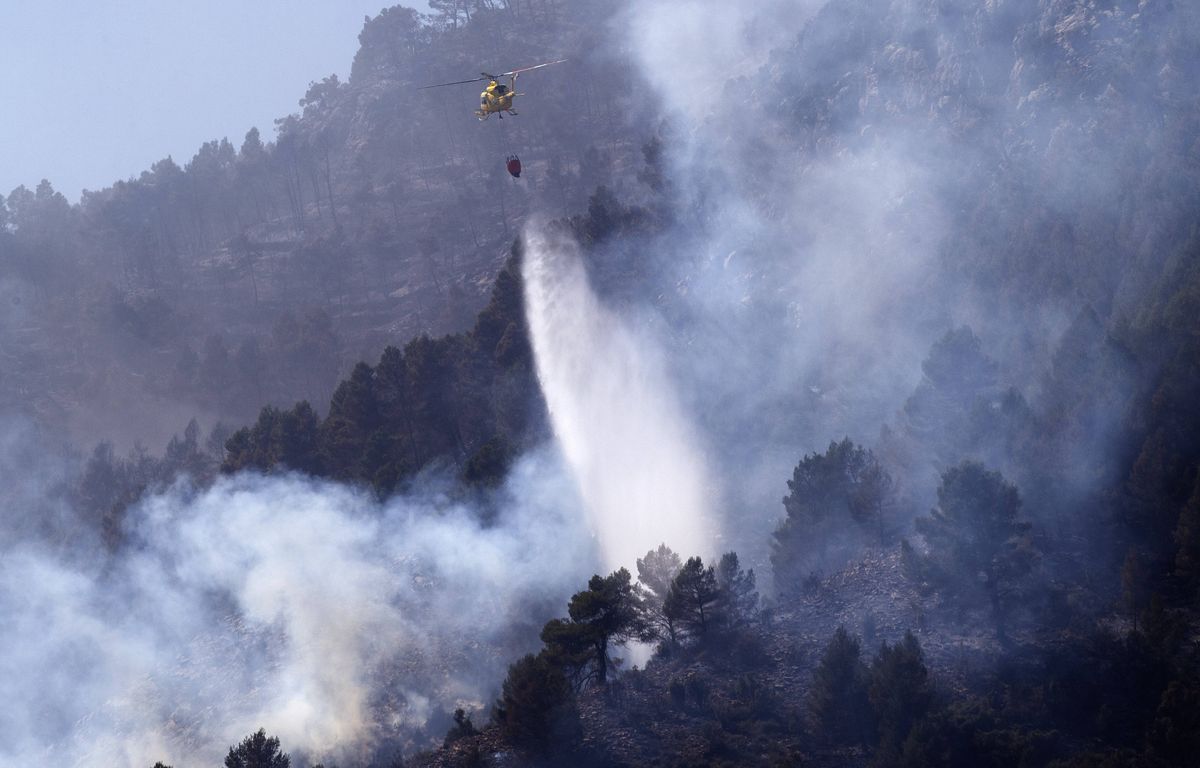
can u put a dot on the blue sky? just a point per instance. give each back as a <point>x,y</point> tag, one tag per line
<point>92,91</point>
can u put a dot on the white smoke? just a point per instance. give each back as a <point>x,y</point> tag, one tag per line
<point>689,49</point>
<point>303,607</point>
<point>638,461</point>
<point>826,162</point>
<point>811,284</point>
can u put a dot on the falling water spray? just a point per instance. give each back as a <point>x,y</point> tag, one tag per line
<point>629,444</point>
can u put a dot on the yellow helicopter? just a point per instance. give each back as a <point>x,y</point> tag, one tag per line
<point>496,98</point>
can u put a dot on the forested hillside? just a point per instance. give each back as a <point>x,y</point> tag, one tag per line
<point>1046,254</point>
<point>888,309</point>
<point>261,269</point>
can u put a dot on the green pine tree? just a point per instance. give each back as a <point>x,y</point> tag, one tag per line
<point>837,699</point>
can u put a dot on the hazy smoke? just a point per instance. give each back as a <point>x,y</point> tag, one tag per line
<point>823,150</point>
<point>638,461</point>
<point>810,288</point>
<point>854,180</point>
<point>303,607</point>
<point>689,49</point>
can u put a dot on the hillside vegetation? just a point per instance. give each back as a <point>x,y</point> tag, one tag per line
<point>928,276</point>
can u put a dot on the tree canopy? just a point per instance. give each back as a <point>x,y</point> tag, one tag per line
<point>257,751</point>
<point>977,541</point>
<point>829,495</point>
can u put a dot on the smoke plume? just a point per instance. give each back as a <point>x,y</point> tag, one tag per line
<point>304,607</point>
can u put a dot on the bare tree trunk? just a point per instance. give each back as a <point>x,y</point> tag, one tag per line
<point>329,188</point>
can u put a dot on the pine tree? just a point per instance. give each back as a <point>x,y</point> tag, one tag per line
<point>838,696</point>
<point>1133,587</point>
<point>694,598</point>
<point>536,707</point>
<point>872,499</point>
<point>827,492</point>
<point>738,597</point>
<point>463,728</point>
<point>976,539</point>
<point>257,751</point>
<point>1187,542</point>
<point>1175,734</point>
<point>900,694</point>
<point>602,616</point>
<point>656,571</point>
<point>353,418</point>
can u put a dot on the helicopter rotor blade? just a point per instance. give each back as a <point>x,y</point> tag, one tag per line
<point>487,76</point>
<point>536,66</point>
<point>456,82</point>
